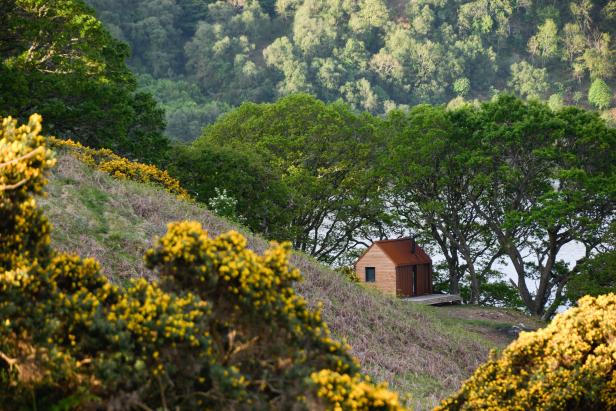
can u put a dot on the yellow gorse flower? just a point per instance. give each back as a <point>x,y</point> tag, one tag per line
<point>570,364</point>
<point>120,167</point>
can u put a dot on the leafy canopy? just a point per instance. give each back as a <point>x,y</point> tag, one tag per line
<point>374,55</point>
<point>57,59</point>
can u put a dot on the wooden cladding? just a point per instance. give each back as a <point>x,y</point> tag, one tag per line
<point>396,267</point>
<point>404,281</point>
<point>413,280</point>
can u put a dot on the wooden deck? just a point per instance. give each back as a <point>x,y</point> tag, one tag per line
<point>433,299</point>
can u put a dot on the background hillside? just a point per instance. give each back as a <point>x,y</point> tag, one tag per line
<point>424,351</point>
<point>199,58</point>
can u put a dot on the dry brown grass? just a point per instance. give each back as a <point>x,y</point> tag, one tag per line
<point>423,351</point>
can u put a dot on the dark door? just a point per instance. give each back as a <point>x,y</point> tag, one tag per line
<point>424,279</point>
<point>405,281</point>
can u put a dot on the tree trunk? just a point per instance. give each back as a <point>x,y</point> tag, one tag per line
<point>474,285</point>
<point>454,284</point>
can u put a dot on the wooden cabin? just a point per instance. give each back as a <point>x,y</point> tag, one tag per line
<point>398,267</point>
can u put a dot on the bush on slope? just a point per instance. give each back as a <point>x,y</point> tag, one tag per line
<point>568,365</point>
<point>224,328</point>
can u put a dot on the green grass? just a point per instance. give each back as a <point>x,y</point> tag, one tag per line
<point>422,351</point>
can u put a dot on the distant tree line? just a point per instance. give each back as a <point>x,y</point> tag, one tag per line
<point>199,58</point>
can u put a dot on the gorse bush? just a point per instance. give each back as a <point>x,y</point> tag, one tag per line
<point>352,393</point>
<point>568,365</point>
<point>223,329</point>
<point>23,161</point>
<point>120,167</point>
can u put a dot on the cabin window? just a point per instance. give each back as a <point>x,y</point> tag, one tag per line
<point>370,274</point>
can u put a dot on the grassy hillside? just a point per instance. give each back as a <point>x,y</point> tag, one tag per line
<point>424,351</point>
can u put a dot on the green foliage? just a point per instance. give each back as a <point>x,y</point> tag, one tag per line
<point>488,182</point>
<point>545,42</point>
<point>187,110</point>
<point>523,149</point>
<point>597,276</point>
<point>262,196</point>
<point>69,338</point>
<point>300,170</point>
<point>372,54</point>
<point>462,86</point>
<point>56,58</point>
<point>500,294</point>
<point>218,55</point>
<point>529,81</point>
<point>599,94</point>
<point>555,102</point>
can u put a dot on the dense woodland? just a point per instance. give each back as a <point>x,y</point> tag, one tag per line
<point>476,183</point>
<point>201,57</point>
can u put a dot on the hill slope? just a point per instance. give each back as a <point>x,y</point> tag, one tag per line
<point>420,350</point>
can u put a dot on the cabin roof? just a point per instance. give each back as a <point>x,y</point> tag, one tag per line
<point>400,252</point>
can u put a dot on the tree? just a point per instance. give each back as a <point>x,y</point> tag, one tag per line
<point>599,94</point>
<point>545,43</point>
<point>462,86</point>
<point>529,81</point>
<point>431,190</point>
<point>555,102</point>
<point>324,154</point>
<point>187,111</point>
<point>574,41</point>
<point>371,54</point>
<point>599,58</point>
<point>73,73</point>
<point>545,180</point>
<point>261,195</point>
<point>597,276</point>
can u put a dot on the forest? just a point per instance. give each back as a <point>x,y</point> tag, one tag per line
<point>201,58</point>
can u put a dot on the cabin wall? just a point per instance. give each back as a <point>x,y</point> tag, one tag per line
<point>404,281</point>
<point>385,270</point>
<point>414,280</point>
<point>424,279</point>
